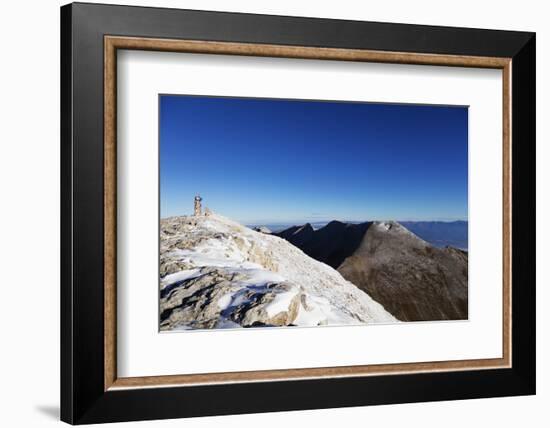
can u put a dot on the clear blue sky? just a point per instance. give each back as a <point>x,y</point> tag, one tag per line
<point>262,161</point>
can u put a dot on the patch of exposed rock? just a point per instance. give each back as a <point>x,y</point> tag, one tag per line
<point>209,300</point>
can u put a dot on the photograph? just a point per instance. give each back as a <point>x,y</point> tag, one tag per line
<point>277,209</point>
<point>303,213</point>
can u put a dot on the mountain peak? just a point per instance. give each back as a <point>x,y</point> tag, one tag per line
<point>304,229</point>
<point>335,223</point>
<point>413,279</point>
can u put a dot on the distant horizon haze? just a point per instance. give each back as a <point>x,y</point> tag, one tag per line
<point>318,222</point>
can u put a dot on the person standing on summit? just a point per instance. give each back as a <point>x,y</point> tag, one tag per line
<point>198,207</point>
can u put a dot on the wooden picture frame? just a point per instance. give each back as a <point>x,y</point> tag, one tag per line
<point>91,390</point>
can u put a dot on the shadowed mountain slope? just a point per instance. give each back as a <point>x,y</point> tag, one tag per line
<point>330,244</point>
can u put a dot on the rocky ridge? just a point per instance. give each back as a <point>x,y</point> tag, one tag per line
<point>216,273</point>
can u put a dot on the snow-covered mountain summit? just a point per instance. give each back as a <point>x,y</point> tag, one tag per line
<point>216,273</point>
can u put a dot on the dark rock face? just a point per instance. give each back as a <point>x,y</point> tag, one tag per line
<point>412,279</point>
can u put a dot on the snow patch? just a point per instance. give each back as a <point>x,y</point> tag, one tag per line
<point>225,301</point>
<point>281,303</point>
<point>182,275</point>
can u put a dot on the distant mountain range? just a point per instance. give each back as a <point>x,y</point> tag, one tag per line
<point>441,233</point>
<point>411,276</point>
<point>438,233</point>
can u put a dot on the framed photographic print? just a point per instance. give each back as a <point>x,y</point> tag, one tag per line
<point>272,213</point>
